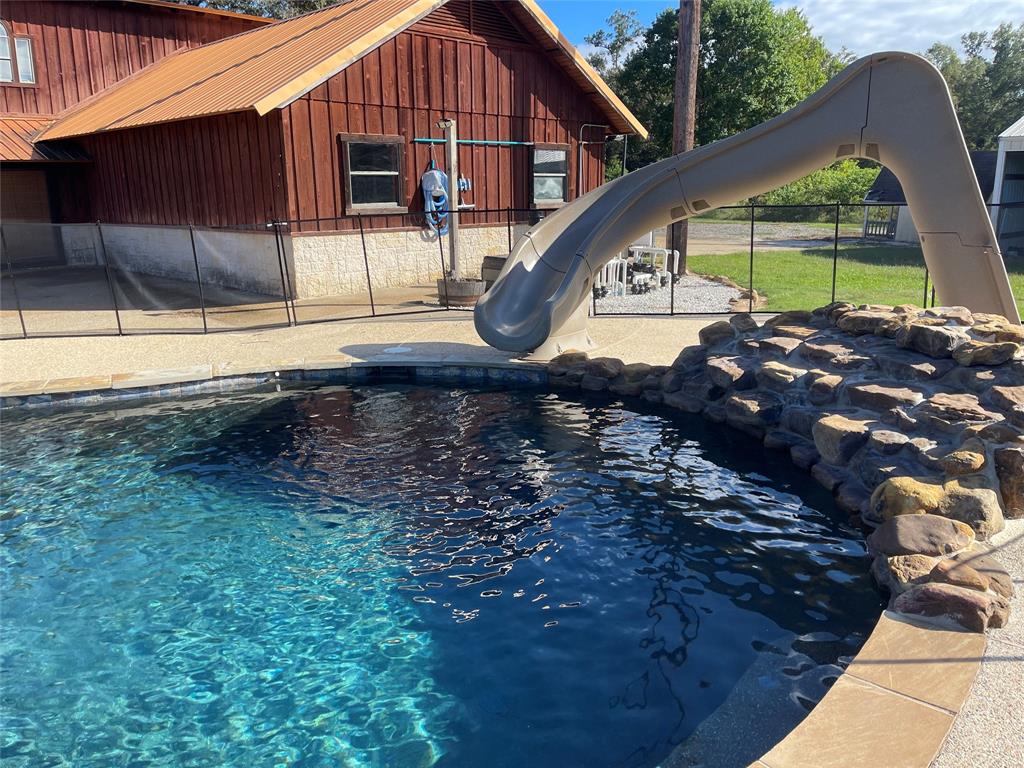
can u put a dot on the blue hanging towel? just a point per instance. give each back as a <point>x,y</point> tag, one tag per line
<point>435,198</point>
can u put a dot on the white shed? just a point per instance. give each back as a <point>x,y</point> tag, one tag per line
<point>1008,189</point>
<point>887,215</point>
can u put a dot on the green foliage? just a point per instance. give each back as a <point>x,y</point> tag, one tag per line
<point>986,83</point>
<point>802,279</point>
<point>623,30</point>
<point>612,163</point>
<point>611,43</point>
<point>277,9</point>
<point>755,62</point>
<point>843,182</point>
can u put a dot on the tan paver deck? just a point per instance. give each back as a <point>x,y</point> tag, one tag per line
<point>442,335</point>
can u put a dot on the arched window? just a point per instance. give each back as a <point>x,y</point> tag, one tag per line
<point>16,59</point>
<point>6,59</point>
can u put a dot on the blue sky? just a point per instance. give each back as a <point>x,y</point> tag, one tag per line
<point>862,26</point>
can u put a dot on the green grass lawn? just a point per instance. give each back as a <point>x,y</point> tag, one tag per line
<point>865,274</point>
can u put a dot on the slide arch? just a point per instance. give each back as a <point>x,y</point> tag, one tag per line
<point>890,107</point>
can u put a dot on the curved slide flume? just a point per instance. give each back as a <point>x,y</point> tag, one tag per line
<point>891,107</point>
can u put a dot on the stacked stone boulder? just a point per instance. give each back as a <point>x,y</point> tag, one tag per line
<point>913,419</point>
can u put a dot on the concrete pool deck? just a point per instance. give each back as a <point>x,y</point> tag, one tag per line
<point>904,692</point>
<point>444,336</point>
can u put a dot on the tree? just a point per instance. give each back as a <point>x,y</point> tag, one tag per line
<point>755,62</point>
<point>986,83</point>
<point>612,45</point>
<point>684,111</point>
<point>277,9</point>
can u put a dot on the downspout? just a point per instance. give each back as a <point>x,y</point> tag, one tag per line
<point>579,154</point>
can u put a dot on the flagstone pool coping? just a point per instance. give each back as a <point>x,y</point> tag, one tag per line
<point>893,706</point>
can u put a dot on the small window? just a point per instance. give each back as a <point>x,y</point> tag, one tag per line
<point>26,68</point>
<point>550,174</point>
<point>17,59</point>
<point>373,173</point>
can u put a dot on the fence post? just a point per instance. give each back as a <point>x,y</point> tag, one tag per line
<point>835,251</point>
<point>366,264</point>
<point>750,277</point>
<point>280,267</point>
<point>287,271</point>
<point>444,273</point>
<point>110,281</point>
<point>673,276</point>
<point>14,283</point>
<point>199,277</point>
<point>508,222</point>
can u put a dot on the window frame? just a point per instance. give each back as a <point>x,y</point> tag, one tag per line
<point>12,43</point>
<point>568,175</point>
<point>352,209</point>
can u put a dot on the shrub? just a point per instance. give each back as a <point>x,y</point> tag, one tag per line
<point>843,182</point>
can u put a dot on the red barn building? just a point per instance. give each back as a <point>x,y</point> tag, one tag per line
<point>151,115</point>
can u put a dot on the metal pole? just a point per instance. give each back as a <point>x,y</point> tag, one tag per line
<point>924,301</point>
<point>287,272</point>
<point>110,281</point>
<point>451,138</point>
<point>280,267</point>
<point>444,275</point>
<point>199,277</point>
<point>750,277</point>
<point>835,253</point>
<point>672,273</point>
<point>14,283</point>
<point>366,263</point>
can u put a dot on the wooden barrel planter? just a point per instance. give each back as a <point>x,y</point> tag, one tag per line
<point>460,293</point>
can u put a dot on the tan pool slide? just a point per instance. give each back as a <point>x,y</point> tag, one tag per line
<point>890,107</point>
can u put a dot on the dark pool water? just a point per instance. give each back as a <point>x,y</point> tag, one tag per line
<point>407,576</point>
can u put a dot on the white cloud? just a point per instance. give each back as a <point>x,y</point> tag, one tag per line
<point>866,26</point>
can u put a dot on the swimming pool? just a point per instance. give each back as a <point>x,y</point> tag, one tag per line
<point>401,575</point>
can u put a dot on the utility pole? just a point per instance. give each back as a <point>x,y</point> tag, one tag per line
<point>684,113</point>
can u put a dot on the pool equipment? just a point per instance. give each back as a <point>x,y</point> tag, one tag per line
<point>464,185</point>
<point>904,120</point>
<point>434,183</point>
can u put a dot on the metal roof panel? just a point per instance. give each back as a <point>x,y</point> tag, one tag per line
<point>271,66</point>
<point>17,142</point>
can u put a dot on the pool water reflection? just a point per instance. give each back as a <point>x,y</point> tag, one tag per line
<point>400,575</point>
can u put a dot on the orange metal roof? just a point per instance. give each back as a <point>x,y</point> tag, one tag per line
<point>269,67</point>
<point>17,136</point>
<point>201,9</point>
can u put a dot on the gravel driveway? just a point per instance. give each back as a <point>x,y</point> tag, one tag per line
<point>692,294</point>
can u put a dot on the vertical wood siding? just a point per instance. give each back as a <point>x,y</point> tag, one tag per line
<point>80,48</point>
<point>221,171</point>
<point>481,71</point>
<point>242,169</point>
